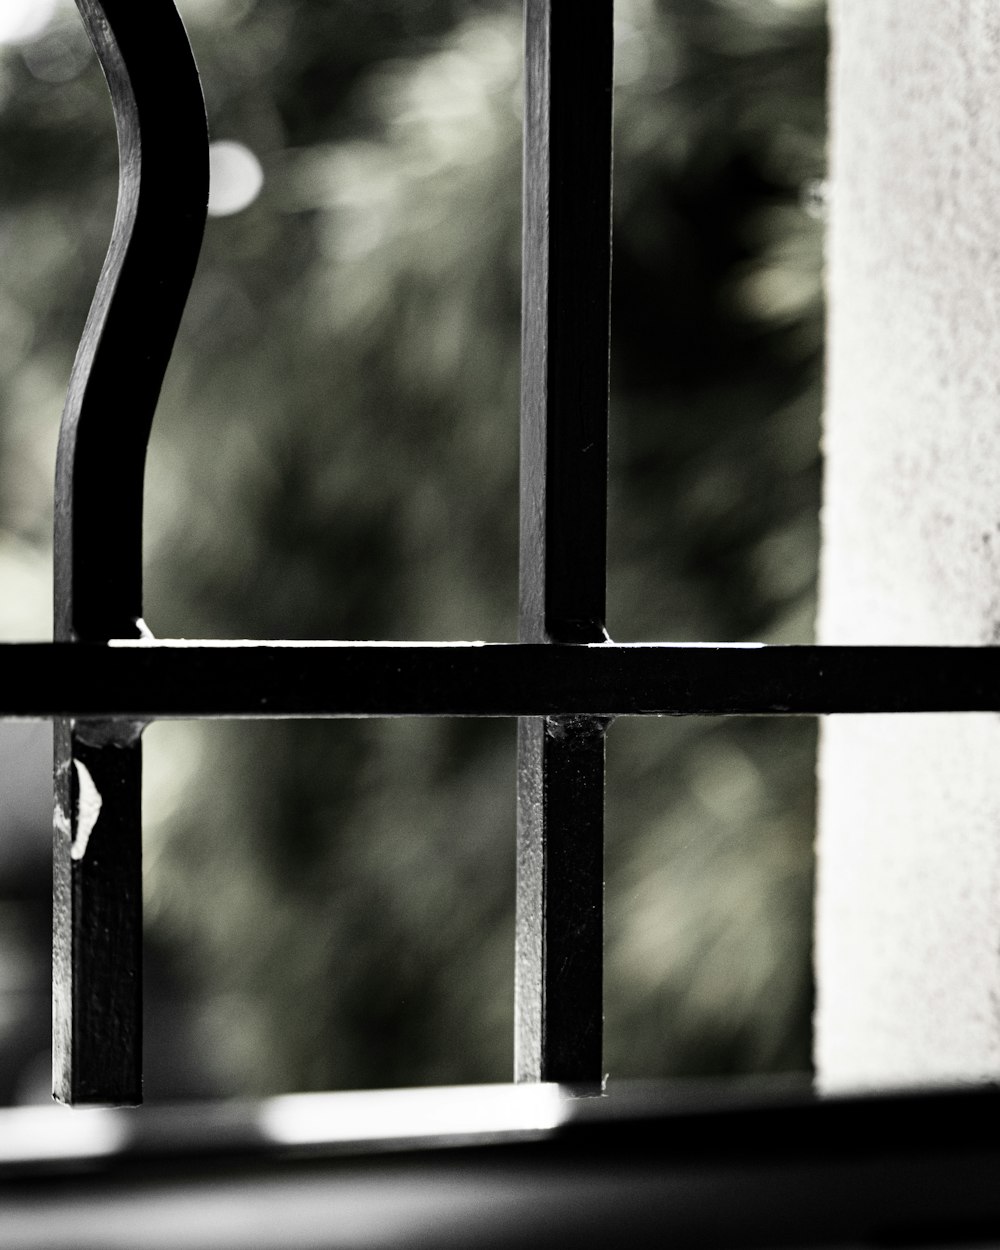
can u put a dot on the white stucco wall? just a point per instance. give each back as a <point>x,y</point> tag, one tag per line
<point>908,909</point>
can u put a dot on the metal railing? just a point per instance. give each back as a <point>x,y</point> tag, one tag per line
<point>103,678</point>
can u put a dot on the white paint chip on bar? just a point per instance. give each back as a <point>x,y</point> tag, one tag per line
<point>88,809</point>
<point>61,821</point>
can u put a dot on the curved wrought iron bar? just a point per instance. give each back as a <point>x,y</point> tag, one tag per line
<point>113,391</point>
<point>129,334</point>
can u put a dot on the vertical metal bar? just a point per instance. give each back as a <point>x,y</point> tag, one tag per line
<point>113,390</point>
<point>97,916</point>
<point>564,429</point>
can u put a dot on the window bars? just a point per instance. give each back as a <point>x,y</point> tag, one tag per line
<point>104,678</point>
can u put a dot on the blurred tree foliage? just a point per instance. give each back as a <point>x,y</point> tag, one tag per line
<point>335,456</point>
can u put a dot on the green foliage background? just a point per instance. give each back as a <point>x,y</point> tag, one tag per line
<point>335,456</point>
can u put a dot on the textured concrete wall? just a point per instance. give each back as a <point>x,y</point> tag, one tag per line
<point>908,924</point>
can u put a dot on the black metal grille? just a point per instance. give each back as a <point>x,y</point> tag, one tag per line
<point>102,680</point>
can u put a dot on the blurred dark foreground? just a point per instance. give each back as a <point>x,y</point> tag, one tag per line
<point>497,1166</point>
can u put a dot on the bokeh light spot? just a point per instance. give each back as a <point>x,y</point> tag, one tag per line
<point>236,178</point>
<point>24,19</point>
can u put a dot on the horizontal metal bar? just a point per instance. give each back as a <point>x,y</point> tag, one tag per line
<point>272,680</point>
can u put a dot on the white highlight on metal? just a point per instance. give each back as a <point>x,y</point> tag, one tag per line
<point>461,1111</point>
<point>312,644</point>
<point>36,1133</point>
<point>301,644</point>
<point>88,809</point>
<point>686,646</point>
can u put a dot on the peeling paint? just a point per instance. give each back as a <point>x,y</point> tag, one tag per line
<point>88,809</point>
<point>61,822</point>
